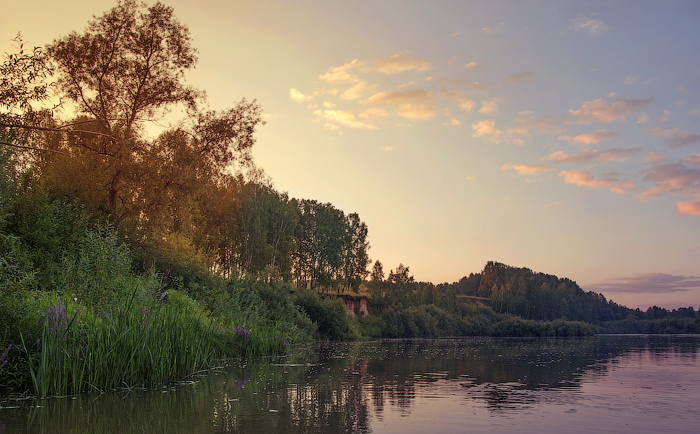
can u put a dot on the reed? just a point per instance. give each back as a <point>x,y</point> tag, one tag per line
<point>82,349</point>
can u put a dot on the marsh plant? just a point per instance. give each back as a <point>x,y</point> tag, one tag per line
<point>83,349</point>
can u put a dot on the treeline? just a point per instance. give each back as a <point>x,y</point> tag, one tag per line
<point>545,297</point>
<point>505,301</point>
<point>400,307</point>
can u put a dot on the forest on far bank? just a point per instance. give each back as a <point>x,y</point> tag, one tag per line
<point>523,300</point>
<point>127,259</point>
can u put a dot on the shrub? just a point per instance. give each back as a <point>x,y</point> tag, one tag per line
<point>328,314</point>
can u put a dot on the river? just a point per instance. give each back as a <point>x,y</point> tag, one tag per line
<point>604,384</point>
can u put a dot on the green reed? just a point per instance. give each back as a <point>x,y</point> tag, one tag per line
<point>84,349</point>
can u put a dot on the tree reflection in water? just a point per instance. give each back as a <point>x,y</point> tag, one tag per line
<point>347,387</point>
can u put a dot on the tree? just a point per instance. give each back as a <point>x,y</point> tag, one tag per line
<point>377,272</point>
<point>321,239</point>
<point>23,83</point>
<point>125,70</point>
<point>400,275</point>
<point>356,257</point>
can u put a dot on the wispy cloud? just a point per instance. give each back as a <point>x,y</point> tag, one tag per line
<point>691,208</point>
<point>670,178</point>
<point>584,178</point>
<point>409,104</point>
<point>520,78</point>
<point>470,66</point>
<point>594,26</point>
<point>459,98</point>
<point>401,63</point>
<point>526,124</point>
<point>490,106</point>
<point>460,82</point>
<point>667,116</point>
<point>605,112</point>
<point>395,64</point>
<point>527,170</point>
<point>693,159</point>
<point>397,97</point>
<point>629,80</point>
<point>657,283</point>
<point>486,127</point>
<point>656,131</point>
<point>494,29</point>
<point>346,73</point>
<point>297,96</point>
<point>589,156</point>
<point>358,91</point>
<point>684,139</point>
<point>344,118</point>
<point>590,138</point>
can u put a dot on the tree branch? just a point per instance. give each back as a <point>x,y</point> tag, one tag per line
<point>33,148</point>
<point>55,130</point>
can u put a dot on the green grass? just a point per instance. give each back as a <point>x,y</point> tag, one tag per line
<point>81,349</point>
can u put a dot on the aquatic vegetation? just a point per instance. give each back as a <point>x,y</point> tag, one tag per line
<point>3,358</point>
<point>83,349</point>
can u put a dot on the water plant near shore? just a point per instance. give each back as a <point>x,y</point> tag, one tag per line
<point>82,349</point>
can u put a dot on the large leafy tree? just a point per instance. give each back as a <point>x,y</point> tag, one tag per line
<point>356,252</point>
<point>322,237</point>
<point>125,70</point>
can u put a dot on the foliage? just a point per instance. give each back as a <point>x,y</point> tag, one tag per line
<point>537,296</point>
<point>328,314</point>
<point>80,349</point>
<point>99,275</point>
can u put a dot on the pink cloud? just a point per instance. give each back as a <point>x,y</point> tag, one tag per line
<point>658,283</point>
<point>683,140</point>
<point>415,104</point>
<point>526,124</point>
<point>691,208</point>
<point>693,159</point>
<point>588,156</point>
<point>673,178</point>
<point>527,170</point>
<point>654,158</point>
<point>605,112</point>
<point>590,138</point>
<point>662,131</point>
<point>584,178</point>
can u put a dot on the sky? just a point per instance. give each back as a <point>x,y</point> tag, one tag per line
<point>561,136</point>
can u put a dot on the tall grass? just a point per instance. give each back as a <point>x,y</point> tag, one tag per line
<point>82,349</point>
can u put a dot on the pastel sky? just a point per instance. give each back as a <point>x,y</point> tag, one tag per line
<point>562,136</point>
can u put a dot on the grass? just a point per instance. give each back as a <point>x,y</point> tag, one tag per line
<point>81,349</point>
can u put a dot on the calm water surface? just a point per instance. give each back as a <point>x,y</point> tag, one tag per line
<point>605,384</point>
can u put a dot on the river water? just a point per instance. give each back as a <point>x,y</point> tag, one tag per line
<point>602,384</point>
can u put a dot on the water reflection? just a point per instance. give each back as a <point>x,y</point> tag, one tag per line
<point>365,387</point>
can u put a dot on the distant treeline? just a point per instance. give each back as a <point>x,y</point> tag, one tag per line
<point>539,296</point>
<point>506,301</point>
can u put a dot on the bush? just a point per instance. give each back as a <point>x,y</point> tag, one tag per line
<point>99,275</point>
<point>328,314</point>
